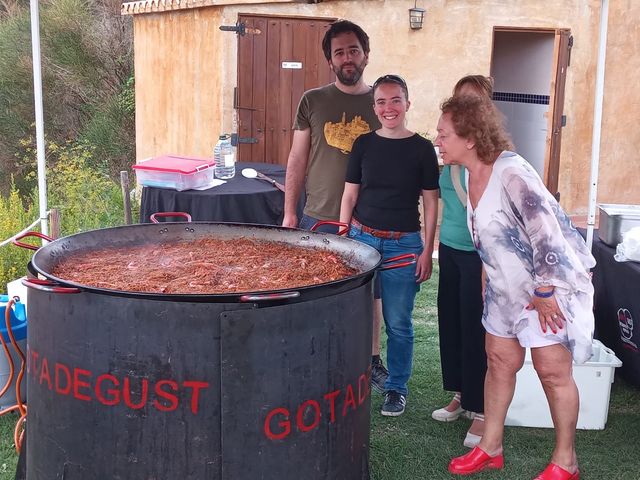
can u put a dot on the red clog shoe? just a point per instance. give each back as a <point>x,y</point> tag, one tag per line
<point>554,472</point>
<point>475,461</point>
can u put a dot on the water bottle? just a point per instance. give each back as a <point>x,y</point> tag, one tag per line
<point>224,156</point>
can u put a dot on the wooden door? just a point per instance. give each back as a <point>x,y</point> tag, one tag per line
<point>553,94</point>
<point>562,51</point>
<point>276,63</point>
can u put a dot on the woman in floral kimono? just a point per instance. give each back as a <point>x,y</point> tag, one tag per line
<point>537,290</point>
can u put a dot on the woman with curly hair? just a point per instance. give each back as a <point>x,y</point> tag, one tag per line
<point>537,291</point>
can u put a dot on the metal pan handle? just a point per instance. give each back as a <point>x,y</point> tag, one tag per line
<point>16,241</point>
<point>344,226</point>
<point>389,263</point>
<point>269,297</point>
<point>154,216</point>
<point>47,286</point>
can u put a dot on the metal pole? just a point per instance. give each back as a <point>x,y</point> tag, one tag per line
<point>597,121</point>
<point>37,96</point>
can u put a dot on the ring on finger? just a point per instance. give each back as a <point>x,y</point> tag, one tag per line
<point>554,316</point>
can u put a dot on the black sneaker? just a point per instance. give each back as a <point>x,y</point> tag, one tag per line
<point>394,404</point>
<point>379,375</point>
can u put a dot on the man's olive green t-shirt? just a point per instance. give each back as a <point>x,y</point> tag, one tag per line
<point>336,119</point>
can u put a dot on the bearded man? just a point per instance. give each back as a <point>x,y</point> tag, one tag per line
<point>327,122</point>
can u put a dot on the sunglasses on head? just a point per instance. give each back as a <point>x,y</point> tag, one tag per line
<point>390,79</point>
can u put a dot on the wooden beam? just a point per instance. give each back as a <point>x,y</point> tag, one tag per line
<point>126,199</point>
<point>54,223</point>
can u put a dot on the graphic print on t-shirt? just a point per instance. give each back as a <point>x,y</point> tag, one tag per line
<point>341,135</point>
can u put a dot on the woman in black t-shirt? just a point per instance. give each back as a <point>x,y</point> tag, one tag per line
<point>388,171</point>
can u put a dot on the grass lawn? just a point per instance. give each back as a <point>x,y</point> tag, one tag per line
<point>414,447</point>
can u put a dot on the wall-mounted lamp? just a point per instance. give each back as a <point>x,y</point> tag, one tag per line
<point>416,16</point>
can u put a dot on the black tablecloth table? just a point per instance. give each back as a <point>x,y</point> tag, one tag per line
<point>243,200</point>
<point>617,307</point>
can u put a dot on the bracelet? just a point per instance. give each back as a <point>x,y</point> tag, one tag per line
<point>544,294</point>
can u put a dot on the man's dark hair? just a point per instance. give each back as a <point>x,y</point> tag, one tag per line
<point>344,26</point>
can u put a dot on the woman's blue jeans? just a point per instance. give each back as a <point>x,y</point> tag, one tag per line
<point>399,289</point>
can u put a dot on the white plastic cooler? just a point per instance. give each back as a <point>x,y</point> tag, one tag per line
<point>529,407</point>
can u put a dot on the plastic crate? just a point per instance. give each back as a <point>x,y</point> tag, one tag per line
<point>172,171</point>
<point>529,407</point>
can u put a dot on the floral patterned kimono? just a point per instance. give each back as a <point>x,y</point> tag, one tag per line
<point>525,241</point>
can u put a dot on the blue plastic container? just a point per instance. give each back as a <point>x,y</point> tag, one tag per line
<point>19,328</point>
<point>18,319</point>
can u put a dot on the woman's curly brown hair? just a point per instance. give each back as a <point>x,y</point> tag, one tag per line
<point>478,119</point>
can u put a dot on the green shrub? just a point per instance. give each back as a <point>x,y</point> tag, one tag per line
<point>87,65</point>
<point>16,86</point>
<point>24,176</point>
<point>14,217</point>
<point>111,132</point>
<point>86,197</point>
